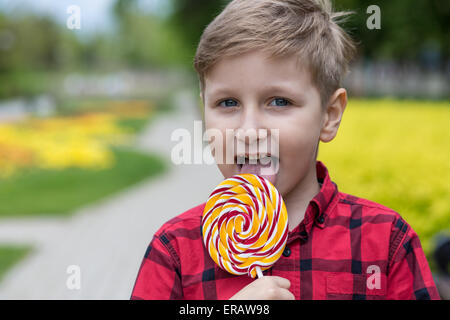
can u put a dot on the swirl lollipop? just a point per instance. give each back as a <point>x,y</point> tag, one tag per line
<point>245,225</point>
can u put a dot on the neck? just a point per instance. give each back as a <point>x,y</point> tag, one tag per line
<point>297,200</point>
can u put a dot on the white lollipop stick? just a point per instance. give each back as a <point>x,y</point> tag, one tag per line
<point>259,272</point>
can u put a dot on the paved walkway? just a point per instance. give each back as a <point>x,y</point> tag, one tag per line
<point>108,240</point>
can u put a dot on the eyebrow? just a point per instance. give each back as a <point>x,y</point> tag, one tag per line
<point>265,89</point>
<point>284,89</point>
<point>221,91</point>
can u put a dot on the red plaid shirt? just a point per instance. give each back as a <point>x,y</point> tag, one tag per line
<point>345,248</point>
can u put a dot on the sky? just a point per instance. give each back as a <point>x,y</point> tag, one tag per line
<point>95,14</point>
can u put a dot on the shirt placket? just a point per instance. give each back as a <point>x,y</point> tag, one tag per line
<point>292,254</point>
<point>294,247</point>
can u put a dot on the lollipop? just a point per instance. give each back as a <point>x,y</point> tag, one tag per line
<point>245,225</point>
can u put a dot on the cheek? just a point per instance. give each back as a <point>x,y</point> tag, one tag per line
<point>297,143</point>
<point>215,121</point>
<point>221,145</point>
<point>218,126</point>
<point>209,120</point>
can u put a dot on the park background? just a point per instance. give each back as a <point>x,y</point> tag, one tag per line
<point>86,116</point>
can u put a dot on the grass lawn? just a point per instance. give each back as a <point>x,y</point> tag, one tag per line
<point>10,255</point>
<point>134,125</point>
<point>53,192</point>
<point>50,192</point>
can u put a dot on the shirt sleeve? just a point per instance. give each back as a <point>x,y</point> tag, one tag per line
<point>159,274</point>
<point>409,275</point>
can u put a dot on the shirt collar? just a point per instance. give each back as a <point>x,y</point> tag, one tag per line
<point>321,205</point>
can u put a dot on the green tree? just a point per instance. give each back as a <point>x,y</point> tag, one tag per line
<point>408,28</point>
<point>147,39</point>
<point>190,17</point>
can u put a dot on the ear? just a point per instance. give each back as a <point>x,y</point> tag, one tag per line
<point>333,114</point>
<point>202,97</point>
<point>201,106</point>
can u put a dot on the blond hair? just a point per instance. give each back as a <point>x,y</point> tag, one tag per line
<point>306,28</point>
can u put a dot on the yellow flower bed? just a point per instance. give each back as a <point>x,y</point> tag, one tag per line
<point>81,141</point>
<point>396,153</point>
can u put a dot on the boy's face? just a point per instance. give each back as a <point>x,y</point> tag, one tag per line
<point>252,92</point>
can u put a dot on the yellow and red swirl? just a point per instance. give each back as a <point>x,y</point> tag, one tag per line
<point>245,224</point>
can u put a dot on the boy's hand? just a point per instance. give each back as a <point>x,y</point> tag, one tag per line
<point>266,288</point>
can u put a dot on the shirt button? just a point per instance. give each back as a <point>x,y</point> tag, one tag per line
<point>287,252</point>
<point>321,219</point>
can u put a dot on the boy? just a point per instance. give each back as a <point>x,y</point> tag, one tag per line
<point>277,65</point>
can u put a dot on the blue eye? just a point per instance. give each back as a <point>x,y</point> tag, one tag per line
<point>228,103</point>
<point>279,102</point>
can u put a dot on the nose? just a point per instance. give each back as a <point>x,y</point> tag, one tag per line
<point>251,129</point>
<point>249,124</point>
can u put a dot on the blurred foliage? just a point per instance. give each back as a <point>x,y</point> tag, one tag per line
<point>82,140</point>
<point>409,29</point>
<point>36,52</point>
<point>190,18</point>
<point>146,39</point>
<point>36,43</point>
<point>34,46</point>
<point>395,152</point>
<point>28,83</point>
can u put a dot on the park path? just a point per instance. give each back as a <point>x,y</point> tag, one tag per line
<point>107,240</point>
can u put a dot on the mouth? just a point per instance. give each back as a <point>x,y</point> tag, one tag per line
<point>264,165</point>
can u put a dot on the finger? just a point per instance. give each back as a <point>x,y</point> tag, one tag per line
<point>279,294</point>
<point>285,294</point>
<point>281,282</point>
